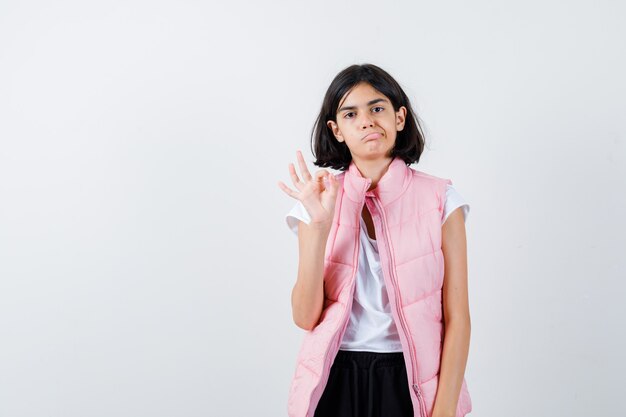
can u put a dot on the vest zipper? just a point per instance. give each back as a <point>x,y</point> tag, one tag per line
<point>412,354</point>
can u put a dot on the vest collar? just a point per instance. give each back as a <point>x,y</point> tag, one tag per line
<point>391,185</point>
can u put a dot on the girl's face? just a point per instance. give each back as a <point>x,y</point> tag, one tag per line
<point>367,123</point>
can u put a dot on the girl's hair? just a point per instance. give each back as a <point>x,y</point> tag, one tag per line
<point>329,152</point>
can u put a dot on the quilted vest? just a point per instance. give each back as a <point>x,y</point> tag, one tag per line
<point>406,207</point>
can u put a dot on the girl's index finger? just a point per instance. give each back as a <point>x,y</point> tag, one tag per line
<point>303,169</point>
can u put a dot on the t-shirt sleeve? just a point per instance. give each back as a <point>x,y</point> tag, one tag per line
<point>454,200</point>
<point>297,213</point>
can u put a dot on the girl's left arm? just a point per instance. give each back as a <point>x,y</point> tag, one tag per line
<point>456,316</point>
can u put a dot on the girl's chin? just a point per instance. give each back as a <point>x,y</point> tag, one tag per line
<point>374,154</point>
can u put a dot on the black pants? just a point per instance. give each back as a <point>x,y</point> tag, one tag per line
<point>366,384</point>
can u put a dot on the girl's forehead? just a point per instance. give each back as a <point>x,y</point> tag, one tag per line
<point>362,89</point>
<point>361,94</point>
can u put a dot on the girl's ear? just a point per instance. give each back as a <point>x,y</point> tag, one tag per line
<point>333,126</point>
<point>400,118</point>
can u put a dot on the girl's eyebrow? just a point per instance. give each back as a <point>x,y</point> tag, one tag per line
<point>369,103</point>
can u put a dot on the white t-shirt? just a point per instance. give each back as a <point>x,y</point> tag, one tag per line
<point>371,327</point>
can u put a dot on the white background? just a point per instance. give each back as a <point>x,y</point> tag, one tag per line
<point>145,263</point>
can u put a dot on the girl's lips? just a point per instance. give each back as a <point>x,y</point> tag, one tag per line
<point>372,136</point>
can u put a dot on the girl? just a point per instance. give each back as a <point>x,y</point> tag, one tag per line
<point>374,242</point>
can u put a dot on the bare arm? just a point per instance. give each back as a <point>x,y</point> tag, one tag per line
<point>456,316</point>
<point>307,296</point>
<point>317,193</point>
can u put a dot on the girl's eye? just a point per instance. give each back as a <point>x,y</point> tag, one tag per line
<point>347,115</point>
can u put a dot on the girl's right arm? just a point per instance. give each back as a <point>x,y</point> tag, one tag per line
<point>317,193</point>
<point>307,296</point>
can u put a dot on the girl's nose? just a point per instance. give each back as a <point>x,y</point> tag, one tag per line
<point>367,121</point>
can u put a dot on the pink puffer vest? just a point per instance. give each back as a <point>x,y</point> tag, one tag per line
<point>406,207</point>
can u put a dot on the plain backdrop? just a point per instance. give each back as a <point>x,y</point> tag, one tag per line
<point>146,266</point>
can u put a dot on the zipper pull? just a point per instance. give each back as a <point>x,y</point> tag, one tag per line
<point>417,390</point>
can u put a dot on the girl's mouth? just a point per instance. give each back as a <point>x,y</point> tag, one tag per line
<point>372,136</point>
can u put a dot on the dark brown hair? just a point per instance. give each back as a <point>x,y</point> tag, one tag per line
<point>329,152</point>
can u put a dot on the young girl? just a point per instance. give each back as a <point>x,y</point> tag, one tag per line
<point>382,276</point>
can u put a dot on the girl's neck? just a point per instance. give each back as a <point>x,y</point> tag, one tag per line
<point>373,169</point>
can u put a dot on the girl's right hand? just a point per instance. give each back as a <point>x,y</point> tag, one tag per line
<point>317,193</point>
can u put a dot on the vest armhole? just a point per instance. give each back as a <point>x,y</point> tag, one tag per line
<point>443,198</point>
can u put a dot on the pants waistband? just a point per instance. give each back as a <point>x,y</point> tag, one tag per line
<point>366,360</point>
